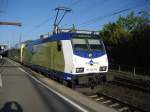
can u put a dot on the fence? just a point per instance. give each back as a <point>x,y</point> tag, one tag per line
<point>130,69</point>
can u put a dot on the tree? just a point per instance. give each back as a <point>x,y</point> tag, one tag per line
<point>126,38</point>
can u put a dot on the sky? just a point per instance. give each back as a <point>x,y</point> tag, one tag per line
<point>37,16</point>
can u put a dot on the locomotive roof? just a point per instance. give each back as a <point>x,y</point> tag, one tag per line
<point>56,37</point>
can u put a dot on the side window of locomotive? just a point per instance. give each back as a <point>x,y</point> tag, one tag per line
<point>58,45</point>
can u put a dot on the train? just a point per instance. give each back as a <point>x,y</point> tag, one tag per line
<point>73,58</point>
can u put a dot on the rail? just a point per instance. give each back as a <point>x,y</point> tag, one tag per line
<point>119,105</point>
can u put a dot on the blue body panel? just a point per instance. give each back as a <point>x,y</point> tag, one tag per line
<point>56,37</point>
<point>85,54</point>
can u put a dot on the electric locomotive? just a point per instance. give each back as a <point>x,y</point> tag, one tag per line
<point>72,57</point>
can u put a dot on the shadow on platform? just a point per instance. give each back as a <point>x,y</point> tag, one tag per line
<point>11,106</point>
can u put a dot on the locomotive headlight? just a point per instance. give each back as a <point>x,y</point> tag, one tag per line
<point>79,70</point>
<point>103,68</point>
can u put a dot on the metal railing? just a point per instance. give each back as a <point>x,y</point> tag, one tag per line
<point>132,70</point>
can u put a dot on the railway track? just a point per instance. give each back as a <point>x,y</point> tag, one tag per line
<point>132,84</point>
<point>115,103</point>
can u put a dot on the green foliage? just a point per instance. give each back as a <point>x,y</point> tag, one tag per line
<point>129,23</point>
<point>114,33</point>
<point>127,40</point>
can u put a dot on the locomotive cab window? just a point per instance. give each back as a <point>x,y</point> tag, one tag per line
<point>95,44</point>
<point>87,42</point>
<point>79,44</point>
<point>58,45</point>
